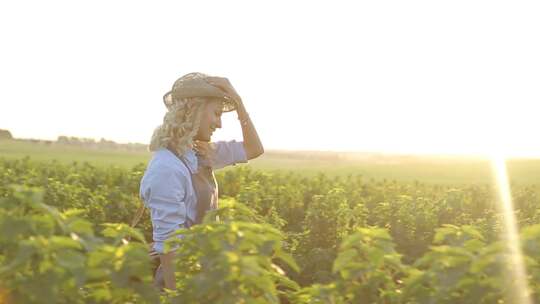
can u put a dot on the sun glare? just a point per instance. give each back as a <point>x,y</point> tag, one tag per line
<point>510,233</point>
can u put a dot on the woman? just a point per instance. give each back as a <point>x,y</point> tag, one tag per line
<point>178,185</point>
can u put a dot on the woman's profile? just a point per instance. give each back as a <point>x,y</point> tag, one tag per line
<point>178,185</point>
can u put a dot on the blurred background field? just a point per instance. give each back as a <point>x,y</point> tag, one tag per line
<point>437,169</point>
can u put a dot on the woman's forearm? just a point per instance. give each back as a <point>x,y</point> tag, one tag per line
<point>167,266</point>
<point>252,143</point>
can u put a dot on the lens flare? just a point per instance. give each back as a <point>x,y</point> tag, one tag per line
<point>521,293</point>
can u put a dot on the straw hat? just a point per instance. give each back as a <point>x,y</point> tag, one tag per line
<point>197,85</point>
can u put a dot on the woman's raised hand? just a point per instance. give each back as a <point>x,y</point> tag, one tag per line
<point>202,148</point>
<point>225,85</point>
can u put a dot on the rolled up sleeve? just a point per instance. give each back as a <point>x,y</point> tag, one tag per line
<point>227,153</point>
<point>163,191</point>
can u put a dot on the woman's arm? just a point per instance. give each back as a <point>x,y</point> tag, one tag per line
<point>252,143</point>
<point>161,187</point>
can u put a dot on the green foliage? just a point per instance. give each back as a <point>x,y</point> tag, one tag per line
<point>462,268</point>
<point>232,260</point>
<point>47,254</point>
<point>276,238</point>
<point>368,269</point>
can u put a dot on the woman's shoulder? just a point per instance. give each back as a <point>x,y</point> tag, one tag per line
<point>226,153</point>
<point>226,148</point>
<point>163,177</point>
<point>165,163</point>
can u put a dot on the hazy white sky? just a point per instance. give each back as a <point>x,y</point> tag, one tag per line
<point>393,76</point>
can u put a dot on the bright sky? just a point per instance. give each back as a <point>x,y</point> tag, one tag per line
<point>390,76</point>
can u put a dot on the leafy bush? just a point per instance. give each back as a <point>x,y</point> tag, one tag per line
<point>277,238</point>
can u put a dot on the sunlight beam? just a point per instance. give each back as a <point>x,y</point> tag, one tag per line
<point>521,293</point>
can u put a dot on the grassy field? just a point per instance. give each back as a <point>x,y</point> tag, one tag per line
<point>12,149</point>
<point>432,169</point>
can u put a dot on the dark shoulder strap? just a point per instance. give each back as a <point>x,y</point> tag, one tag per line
<point>185,164</point>
<point>182,160</point>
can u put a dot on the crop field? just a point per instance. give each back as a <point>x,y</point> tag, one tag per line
<point>291,228</point>
<point>459,170</point>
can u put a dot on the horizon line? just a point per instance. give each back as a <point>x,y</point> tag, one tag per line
<point>293,150</point>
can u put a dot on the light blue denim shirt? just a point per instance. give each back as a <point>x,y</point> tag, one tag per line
<point>166,187</point>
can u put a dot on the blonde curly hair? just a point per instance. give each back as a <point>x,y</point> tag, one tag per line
<point>180,125</point>
<point>185,104</point>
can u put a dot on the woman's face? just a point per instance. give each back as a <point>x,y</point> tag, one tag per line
<point>210,120</point>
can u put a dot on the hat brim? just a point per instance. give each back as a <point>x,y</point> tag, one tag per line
<point>229,105</point>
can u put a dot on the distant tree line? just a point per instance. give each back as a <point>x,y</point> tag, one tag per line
<point>5,134</point>
<point>102,143</point>
<point>78,141</point>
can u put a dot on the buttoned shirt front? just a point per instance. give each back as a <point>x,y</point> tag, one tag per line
<point>167,189</point>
